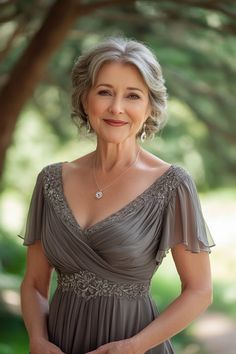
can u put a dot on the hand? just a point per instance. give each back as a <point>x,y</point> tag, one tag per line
<point>119,347</point>
<point>43,346</point>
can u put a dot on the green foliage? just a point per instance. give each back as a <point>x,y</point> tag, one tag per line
<point>224,298</point>
<point>11,255</point>
<point>13,336</point>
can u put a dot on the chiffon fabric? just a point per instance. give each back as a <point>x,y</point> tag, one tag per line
<point>104,272</point>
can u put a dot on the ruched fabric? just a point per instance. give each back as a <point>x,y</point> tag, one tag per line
<point>104,272</point>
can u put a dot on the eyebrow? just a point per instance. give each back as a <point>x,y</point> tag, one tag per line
<point>128,88</point>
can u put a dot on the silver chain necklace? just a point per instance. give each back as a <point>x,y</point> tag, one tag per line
<point>99,193</point>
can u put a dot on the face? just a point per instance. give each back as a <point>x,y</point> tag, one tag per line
<point>118,103</point>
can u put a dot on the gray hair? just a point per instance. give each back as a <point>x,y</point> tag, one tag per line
<point>122,50</point>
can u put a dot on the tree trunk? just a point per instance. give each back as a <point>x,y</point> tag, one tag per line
<point>30,68</point>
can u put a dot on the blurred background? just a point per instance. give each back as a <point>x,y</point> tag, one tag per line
<point>195,44</point>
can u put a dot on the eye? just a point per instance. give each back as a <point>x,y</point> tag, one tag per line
<point>133,96</point>
<point>104,93</point>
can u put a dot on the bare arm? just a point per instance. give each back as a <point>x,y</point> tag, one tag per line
<point>34,299</point>
<point>195,297</point>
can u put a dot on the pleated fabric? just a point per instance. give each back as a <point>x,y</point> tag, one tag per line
<point>103,271</point>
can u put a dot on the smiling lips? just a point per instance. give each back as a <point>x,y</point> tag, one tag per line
<point>115,123</point>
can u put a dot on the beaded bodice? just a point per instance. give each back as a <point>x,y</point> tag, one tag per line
<point>161,190</point>
<point>89,285</point>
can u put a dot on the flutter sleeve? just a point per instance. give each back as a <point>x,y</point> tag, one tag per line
<point>34,221</point>
<point>183,221</point>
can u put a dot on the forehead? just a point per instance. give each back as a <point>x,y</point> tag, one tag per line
<point>117,73</point>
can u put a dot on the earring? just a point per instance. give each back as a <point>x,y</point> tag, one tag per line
<point>88,127</point>
<point>144,134</point>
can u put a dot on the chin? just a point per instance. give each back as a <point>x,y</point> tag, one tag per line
<point>113,138</point>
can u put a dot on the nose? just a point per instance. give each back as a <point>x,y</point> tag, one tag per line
<point>116,106</point>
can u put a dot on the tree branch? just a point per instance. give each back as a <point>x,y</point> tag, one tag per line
<point>212,5</point>
<point>229,136</point>
<point>202,89</point>
<point>6,3</point>
<point>164,18</point>
<point>10,17</point>
<point>18,30</point>
<point>29,69</point>
<point>83,10</point>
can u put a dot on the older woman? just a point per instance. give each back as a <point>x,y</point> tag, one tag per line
<point>105,221</point>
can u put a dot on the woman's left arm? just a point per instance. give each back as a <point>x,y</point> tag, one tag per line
<point>196,296</point>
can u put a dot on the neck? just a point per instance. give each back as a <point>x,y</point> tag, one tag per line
<point>111,157</point>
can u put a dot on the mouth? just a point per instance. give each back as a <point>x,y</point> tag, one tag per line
<point>115,123</point>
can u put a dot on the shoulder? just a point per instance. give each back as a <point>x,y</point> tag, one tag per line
<point>175,182</point>
<point>180,174</point>
<point>179,182</point>
<point>161,167</point>
<point>51,169</point>
<point>176,178</point>
<point>54,171</point>
<point>169,174</point>
<point>49,177</point>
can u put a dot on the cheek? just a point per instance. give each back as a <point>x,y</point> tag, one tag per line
<point>139,110</point>
<point>96,107</point>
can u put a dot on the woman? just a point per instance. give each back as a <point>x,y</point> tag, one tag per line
<point>105,221</point>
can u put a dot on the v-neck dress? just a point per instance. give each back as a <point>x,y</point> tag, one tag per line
<point>104,272</point>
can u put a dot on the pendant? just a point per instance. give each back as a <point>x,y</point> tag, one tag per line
<point>99,194</point>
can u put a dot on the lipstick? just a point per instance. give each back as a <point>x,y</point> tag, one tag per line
<point>115,122</point>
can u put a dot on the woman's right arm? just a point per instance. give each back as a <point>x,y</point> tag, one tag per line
<point>34,300</point>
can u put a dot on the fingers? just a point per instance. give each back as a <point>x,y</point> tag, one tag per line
<point>56,350</point>
<point>43,346</point>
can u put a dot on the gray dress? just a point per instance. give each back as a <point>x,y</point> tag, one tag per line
<point>104,271</point>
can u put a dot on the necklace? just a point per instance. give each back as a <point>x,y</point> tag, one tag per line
<point>99,193</point>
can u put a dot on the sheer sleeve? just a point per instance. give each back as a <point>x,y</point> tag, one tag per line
<point>34,221</point>
<point>183,222</point>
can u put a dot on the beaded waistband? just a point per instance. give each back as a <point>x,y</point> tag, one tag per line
<point>89,285</point>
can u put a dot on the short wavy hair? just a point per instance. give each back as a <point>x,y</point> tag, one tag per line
<point>121,50</point>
